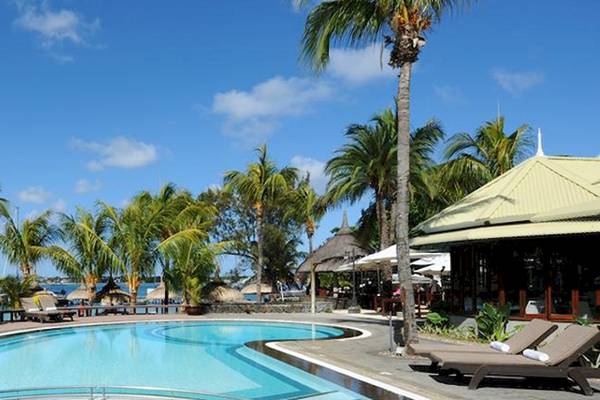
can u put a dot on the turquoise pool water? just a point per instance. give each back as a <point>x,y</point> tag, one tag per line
<point>207,357</point>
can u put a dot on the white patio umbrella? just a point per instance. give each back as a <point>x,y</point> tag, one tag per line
<point>436,266</point>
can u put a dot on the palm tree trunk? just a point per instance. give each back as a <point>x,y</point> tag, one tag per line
<point>313,277</point>
<point>382,222</point>
<point>402,212</point>
<point>91,294</point>
<point>259,261</point>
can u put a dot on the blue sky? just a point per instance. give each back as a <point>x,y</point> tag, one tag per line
<point>102,98</point>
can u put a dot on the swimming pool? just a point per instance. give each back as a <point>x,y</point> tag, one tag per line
<point>201,360</point>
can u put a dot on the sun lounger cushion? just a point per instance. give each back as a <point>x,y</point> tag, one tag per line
<point>499,346</point>
<point>567,342</point>
<point>523,339</point>
<point>536,355</point>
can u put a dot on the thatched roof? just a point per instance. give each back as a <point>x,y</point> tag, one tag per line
<point>78,294</point>
<point>250,288</point>
<point>112,291</point>
<point>159,293</point>
<point>333,252</point>
<point>221,293</point>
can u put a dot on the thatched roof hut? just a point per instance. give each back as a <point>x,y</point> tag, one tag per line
<point>78,294</point>
<point>219,292</point>
<point>250,288</point>
<point>111,292</point>
<point>158,293</point>
<point>334,251</point>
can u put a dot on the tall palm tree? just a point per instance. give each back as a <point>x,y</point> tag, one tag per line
<point>261,183</point>
<point>369,161</point>
<point>401,24</point>
<point>26,244</point>
<point>307,207</point>
<point>87,256</point>
<point>192,264</point>
<point>136,237</point>
<point>178,210</point>
<point>474,160</point>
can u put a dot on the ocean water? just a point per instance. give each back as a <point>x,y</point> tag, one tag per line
<point>208,357</point>
<point>66,288</point>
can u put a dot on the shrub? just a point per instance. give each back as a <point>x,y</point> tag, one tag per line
<point>435,319</point>
<point>491,322</point>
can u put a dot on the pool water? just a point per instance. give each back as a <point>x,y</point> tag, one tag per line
<point>208,357</point>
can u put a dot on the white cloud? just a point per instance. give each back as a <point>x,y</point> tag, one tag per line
<point>85,186</point>
<point>252,115</point>
<point>59,206</point>
<point>35,195</point>
<point>448,93</point>
<point>357,66</point>
<point>315,168</point>
<point>120,152</point>
<point>517,82</point>
<point>54,28</point>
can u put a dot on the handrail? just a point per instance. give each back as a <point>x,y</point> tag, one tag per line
<point>107,392</point>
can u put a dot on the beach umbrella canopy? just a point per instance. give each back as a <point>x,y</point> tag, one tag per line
<point>158,293</point>
<point>78,294</point>
<point>221,293</point>
<point>251,288</point>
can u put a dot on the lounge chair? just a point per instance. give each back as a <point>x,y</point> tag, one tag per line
<point>33,311</point>
<point>49,304</point>
<point>534,333</point>
<point>564,352</point>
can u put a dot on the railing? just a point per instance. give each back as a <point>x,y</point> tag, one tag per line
<point>92,311</point>
<point>108,392</point>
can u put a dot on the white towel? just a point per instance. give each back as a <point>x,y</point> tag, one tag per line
<point>536,355</point>
<point>51,309</point>
<point>503,347</point>
<point>33,309</point>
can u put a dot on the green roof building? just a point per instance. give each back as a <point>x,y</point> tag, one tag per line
<point>527,238</point>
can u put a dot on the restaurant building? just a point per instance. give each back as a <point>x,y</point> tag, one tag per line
<point>529,238</point>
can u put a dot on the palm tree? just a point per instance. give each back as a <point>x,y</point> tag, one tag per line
<point>259,185</point>
<point>369,161</point>
<point>401,24</point>
<point>15,288</point>
<point>136,238</point>
<point>177,210</point>
<point>474,160</point>
<point>87,257</point>
<point>307,207</point>
<point>192,264</point>
<point>26,244</point>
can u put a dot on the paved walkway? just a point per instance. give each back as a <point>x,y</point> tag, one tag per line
<point>368,357</point>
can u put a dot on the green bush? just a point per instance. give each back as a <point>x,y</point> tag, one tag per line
<point>437,319</point>
<point>491,322</point>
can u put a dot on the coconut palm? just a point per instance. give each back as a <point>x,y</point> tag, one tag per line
<point>86,256</point>
<point>25,245</point>
<point>368,162</point>
<point>401,24</point>
<point>192,263</point>
<point>136,237</point>
<point>474,160</point>
<point>261,184</point>
<point>178,210</point>
<point>14,289</point>
<point>307,207</point>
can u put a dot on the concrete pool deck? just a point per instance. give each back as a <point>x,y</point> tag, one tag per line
<point>365,356</point>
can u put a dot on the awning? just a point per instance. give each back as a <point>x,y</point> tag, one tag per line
<point>508,231</point>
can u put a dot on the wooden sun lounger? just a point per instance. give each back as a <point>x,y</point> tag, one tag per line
<point>534,333</point>
<point>33,311</point>
<point>565,353</point>
<point>49,304</point>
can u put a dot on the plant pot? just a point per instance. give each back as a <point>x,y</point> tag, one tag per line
<point>198,309</point>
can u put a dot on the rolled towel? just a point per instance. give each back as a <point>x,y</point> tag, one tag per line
<point>33,309</point>
<point>51,309</point>
<point>503,347</point>
<point>536,355</point>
